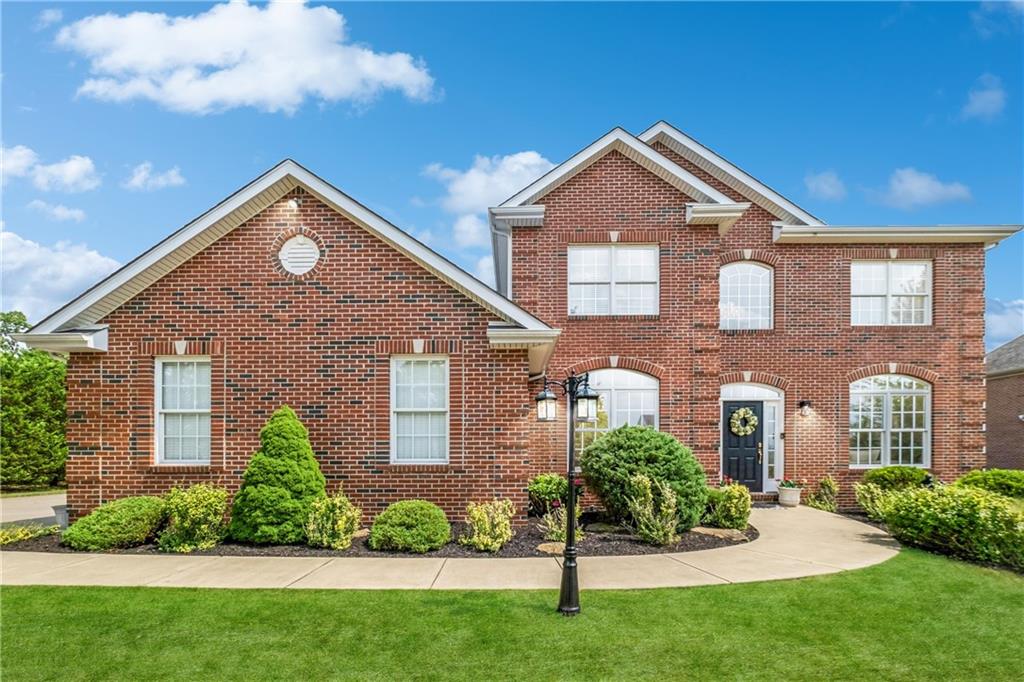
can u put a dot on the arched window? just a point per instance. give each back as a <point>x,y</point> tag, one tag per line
<point>890,421</point>
<point>626,397</point>
<point>745,296</point>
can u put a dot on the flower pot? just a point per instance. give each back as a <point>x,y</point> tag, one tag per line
<point>60,511</point>
<point>789,497</point>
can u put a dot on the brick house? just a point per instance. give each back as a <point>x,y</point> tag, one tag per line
<point>685,287</point>
<point>1004,383</point>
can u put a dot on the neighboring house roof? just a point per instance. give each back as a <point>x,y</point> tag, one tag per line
<point>73,326</point>
<point>728,173</point>
<point>1007,359</point>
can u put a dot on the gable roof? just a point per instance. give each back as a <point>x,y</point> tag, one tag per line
<point>731,175</point>
<point>619,140</point>
<point>85,311</point>
<point>1007,359</point>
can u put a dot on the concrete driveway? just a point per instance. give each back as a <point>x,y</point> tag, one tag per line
<point>31,508</point>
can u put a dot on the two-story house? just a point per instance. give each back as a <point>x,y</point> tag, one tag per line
<point>685,287</point>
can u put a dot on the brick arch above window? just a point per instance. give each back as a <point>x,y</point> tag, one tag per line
<point>762,256</point>
<point>915,371</point>
<point>751,377</point>
<point>618,362</point>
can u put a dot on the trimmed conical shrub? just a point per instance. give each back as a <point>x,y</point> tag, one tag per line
<point>280,483</point>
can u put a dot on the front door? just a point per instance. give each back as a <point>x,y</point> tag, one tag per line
<point>742,455</point>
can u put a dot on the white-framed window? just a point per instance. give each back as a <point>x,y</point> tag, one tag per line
<point>745,292</point>
<point>896,292</point>
<point>613,280</point>
<point>182,410</point>
<point>890,421</point>
<point>624,397</point>
<point>419,409</point>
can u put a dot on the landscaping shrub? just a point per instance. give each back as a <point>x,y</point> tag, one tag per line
<point>872,499</point>
<point>1009,482</point>
<point>826,496</point>
<point>490,525</point>
<point>898,477</point>
<point>127,522</point>
<point>728,507</point>
<point>963,521</point>
<point>545,489</point>
<point>553,525</point>
<point>195,518</point>
<point>9,534</point>
<point>332,522</point>
<point>653,516</point>
<point>610,461</point>
<point>411,526</point>
<point>279,486</point>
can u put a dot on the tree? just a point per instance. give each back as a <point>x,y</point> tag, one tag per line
<point>32,411</point>
<point>279,486</point>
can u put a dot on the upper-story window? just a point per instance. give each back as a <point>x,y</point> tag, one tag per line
<point>745,296</point>
<point>890,292</point>
<point>183,410</point>
<point>613,280</point>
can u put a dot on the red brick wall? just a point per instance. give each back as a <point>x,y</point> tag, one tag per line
<point>1004,430</point>
<point>321,344</point>
<point>812,353</point>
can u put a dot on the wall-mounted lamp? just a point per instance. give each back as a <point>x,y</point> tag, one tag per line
<point>805,408</point>
<point>294,204</point>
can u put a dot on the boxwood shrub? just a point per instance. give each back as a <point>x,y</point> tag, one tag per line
<point>411,526</point>
<point>728,507</point>
<point>1009,482</point>
<point>127,522</point>
<point>962,521</point>
<point>610,462</point>
<point>898,477</point>
<point>195,518</point>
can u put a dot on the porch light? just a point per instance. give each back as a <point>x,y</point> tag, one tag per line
<point>805,408</point>
<point>586,403</point>
<point>547,405</point>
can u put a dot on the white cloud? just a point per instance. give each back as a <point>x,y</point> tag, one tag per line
<point>488,182</point>
<point>38,278</point>
<point>1004,321</point>
<point>73,174</point>
<point>985,100</point>
<point>236,55</point>
<point>143,178</point>
<point>47,18</point>
<point>910,188</point>
<point>16,162</point>
<point>484,270</point>
<point>994,17</point>
<point>58,212</point>
<point>825,185</point>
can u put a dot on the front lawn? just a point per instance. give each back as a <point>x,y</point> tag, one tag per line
<point>917,616</point>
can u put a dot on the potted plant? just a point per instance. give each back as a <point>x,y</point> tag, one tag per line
<point>789,492</point>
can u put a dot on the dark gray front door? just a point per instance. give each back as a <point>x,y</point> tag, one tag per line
<point>741,455</point>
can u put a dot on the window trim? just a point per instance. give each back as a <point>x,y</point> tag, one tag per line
<point>612,248</point>
<point>928,295</point>
<point>926,454</point>
<point>159,411</point>
<point>393,410</point>
<point>771,295</point>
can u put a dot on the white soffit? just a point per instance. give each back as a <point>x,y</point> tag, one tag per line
<point>723,215</point>
<point>718,167</point>
<point>988,235</point>
<point>621,141</point>
<point>134,277</point>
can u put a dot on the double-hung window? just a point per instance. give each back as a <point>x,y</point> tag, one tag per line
<point>613,280</point>
<point>183,410</point>
<point>890,421</point>
<point>419,410</point>
<point>895,292</point>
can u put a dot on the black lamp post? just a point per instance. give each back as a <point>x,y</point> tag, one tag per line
<point>583,408</point>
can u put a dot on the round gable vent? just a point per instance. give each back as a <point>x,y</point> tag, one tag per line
<point>299,255</point>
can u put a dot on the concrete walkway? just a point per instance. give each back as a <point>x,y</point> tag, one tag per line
<point>793,543</point>
<point>30,508</point>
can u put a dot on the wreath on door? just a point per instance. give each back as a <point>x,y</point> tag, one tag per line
<point>743,422</point>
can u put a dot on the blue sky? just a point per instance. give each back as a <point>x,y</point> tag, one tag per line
<point>118,129</point>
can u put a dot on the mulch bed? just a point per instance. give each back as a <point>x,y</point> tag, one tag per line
<point>523,544</point>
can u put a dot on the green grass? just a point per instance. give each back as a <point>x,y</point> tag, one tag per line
<point>917,616</point>
<point>32,493</point>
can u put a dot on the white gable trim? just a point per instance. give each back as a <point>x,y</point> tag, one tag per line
<point>621,141</point>
<point>233,211</point>
<point>694,151</point>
